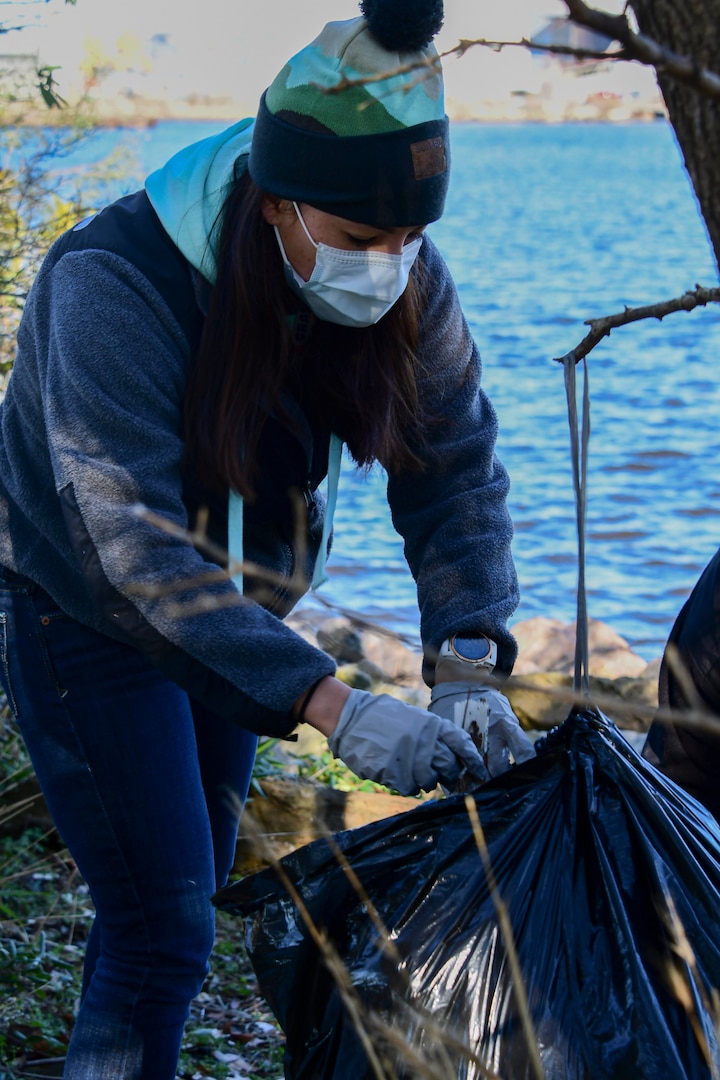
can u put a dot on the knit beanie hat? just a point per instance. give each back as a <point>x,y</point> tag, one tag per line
<point>376,151</point>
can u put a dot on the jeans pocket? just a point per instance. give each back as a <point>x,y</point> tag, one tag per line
<point>5,665</point>
<point>49,620</point>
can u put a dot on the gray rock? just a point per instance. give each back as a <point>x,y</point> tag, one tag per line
<point>341,640</point>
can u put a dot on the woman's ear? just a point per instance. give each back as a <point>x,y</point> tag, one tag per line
<point>275,210</point>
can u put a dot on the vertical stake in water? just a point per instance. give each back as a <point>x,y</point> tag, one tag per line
<point>579,440</point>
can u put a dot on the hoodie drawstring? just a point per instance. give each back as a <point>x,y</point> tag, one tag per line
<point>235,520</point>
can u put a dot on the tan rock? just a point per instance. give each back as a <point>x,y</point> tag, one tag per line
<point>544,699</point>
<point>549,645</point>
<point>541,699</point>
<point>305,624</point>
<point>292,812</point>
<point>372,670</point>
<point>398,663</point>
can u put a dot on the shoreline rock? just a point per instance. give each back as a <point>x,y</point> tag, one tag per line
<point>291,812</point>
<point>549,645</point>
<point>540,687</point>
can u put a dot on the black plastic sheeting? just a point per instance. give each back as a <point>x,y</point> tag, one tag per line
<point>598,860</point>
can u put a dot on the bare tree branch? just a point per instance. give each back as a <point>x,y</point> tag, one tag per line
<point>600,328</point>
<point>557,50</point>
<point>644,49</point>
<point>432,64</point>
<point>635,46</point>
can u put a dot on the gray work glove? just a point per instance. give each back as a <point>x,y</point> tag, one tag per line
<point>488,716</point>
<point>408,749</point>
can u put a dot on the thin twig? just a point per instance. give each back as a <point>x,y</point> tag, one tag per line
<point>684,977</point>
<point>600,328</point>
<point>366,1021</point>
<point>695,719</point>
<point>327,951</point>
<point>19,807</point>
<point>388,946</point>
<point>576,52</point>
<point>28,847</point>
<point>363,622</point>
<point>198,538</point>
<point>429,65</point>
<point>227,567</point>
<point>503,917</point>
<point>679,670</point>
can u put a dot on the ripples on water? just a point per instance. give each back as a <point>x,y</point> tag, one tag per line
<point>545,227</point>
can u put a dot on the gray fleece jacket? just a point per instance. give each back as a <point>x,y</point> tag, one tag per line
<point>91,427</point>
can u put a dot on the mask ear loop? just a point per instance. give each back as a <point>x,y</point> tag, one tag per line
<point>284,253</point>
<point>301,219</point>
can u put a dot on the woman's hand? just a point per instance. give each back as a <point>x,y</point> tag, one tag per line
<point>487,715</point>
<point>386,740</point>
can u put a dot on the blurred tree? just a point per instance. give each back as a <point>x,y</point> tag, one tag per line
<point>45,75</point>
<point>39,198</point>
<point>36,204</point>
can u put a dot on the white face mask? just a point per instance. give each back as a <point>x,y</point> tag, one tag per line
<point>352,288</point>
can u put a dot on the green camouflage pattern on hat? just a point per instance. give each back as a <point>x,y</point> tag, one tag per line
<point>348,50</point>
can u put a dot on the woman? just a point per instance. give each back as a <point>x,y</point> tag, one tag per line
<point>268,296</point>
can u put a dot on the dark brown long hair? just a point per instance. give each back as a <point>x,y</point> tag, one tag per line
<point>359,383</point>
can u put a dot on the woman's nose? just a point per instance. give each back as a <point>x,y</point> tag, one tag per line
<point>393,246</point>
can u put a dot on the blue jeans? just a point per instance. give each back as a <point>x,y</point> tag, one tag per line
<point>145,787</point>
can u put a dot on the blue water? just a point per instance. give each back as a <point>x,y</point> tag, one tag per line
<point>547,226</point>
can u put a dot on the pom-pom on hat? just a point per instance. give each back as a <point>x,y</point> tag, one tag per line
<point>374,151</point>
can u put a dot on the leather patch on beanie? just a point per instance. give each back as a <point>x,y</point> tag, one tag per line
<point>428,157</point>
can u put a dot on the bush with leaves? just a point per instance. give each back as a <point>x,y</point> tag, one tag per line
<point>40,195</point>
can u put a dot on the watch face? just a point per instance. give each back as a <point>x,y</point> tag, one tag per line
<point>471,648</point>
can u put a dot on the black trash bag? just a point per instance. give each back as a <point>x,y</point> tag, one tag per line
<point>610,875</point>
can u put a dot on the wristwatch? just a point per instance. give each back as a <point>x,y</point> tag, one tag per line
<point>475,650</point>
